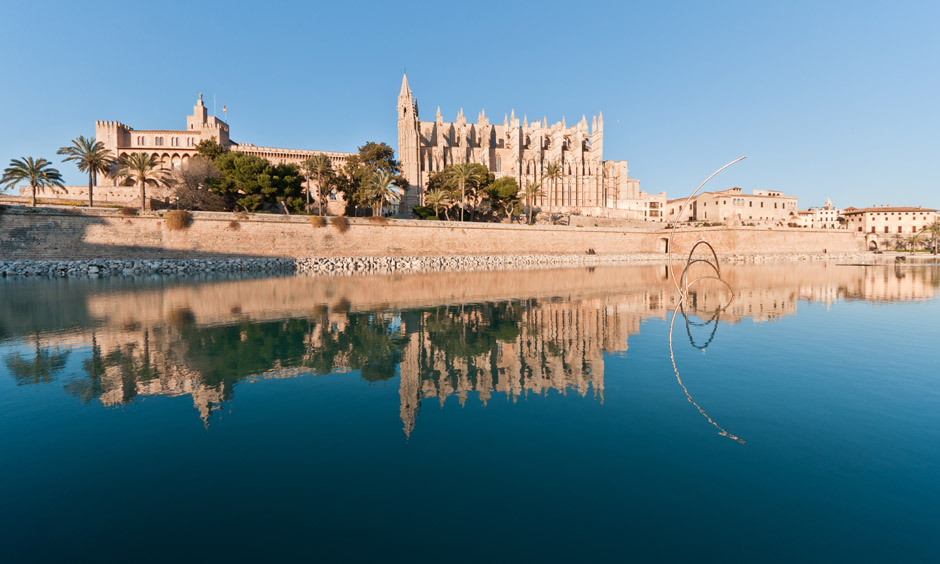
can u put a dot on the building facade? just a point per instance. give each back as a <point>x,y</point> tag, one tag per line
<point>763,207</point>
<point>522,150</point>
<point>173,148</point>
<point>888,219</point>
<point>825,217</point>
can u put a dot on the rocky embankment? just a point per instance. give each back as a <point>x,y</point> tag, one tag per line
<point>99,268</point>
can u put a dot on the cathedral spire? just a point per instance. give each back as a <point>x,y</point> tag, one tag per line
<point>438,118</point>
<point>405,91</point>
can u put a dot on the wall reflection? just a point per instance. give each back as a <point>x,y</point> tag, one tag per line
<point>508,334</point>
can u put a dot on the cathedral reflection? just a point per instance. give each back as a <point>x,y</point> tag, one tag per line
<point>470,336</point>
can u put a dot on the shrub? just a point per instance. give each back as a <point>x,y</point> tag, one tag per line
<point>234,225</point>
<point>241,215</point>
<point>379,220</point>
<point>317,221</point>
<point>341,224</point>
<point>177,220</point>
<point>423,212</point>
<point>128,212</point>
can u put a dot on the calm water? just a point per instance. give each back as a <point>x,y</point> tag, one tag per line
<point>473,417</point>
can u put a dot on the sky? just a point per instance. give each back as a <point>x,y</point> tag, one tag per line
<point>835,100</point>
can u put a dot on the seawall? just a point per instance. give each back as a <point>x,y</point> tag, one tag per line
<point>67,234</point>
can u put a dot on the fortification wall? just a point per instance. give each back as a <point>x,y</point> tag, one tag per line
<point>94,233</point>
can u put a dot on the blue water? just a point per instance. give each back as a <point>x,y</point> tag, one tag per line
<point>836,403</point>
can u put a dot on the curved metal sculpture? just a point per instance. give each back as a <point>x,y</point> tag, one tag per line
<point>683,285</point>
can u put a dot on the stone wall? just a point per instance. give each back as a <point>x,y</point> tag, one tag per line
<point>96,233</point>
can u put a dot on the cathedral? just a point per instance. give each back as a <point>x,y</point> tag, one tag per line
<point>588,185</point>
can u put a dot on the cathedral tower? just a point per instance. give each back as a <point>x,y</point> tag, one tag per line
<point>408,144</point>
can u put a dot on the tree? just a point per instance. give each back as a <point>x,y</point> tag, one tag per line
<point>464,175</point>
<point>934,231</point>
<point>384,189</point>
<point>913,240</point>
<point>189,184</point>
<point>436,199</point>
<point>253,183</point>
<point>503,195</point>
<point>532,191</point>
<point>38,172</point>
<point>90,156</point>
<point>142,169</point>
<point>210,149</point>
<point>553,172</point>
<point>320,166</point>
<point>356,178</point>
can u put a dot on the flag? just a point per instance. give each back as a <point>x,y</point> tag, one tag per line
<point>223,108</point>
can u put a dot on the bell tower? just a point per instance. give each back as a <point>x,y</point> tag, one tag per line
<point>408,155</point>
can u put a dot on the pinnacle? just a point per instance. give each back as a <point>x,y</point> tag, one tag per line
<point>405,91</point>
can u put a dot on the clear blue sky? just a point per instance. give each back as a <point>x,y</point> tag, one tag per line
<point>828,99</point>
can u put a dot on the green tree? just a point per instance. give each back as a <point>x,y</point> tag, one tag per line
<point>934,231</point>
<point>553,172</point>
<point>532,191</point>
<point>503,195</point>
<point>464,176</point>
<point>142,169</point>
<point>913,240</point>
<point>356,178</point>
<point>90,156</point>
<point>210,149</point>
<point>436,199</point>
<point>384,190</point>
<point>320,166</point>
<point>253,183</point>
<point>38,172</point>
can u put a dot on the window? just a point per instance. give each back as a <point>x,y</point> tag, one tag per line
<point>158,141</point>
<point>141,140</point>
<point>762,204</point>
<point>886,228</point>
<point>899,228</point>
<point>499,165</point>
<point>750,204</point>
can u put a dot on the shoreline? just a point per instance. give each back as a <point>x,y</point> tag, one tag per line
<point>350,266</point>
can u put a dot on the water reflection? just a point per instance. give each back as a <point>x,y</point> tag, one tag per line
<point>446,334</point>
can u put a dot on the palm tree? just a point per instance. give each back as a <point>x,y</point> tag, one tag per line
<point>913,240</point>
<point>142,169</point>
<point>934,231</point>
<point>461,174</point>
<point>553,172</point>
<point>38,172</point>
<point>90,156</point>
<point>532,191</point>
<point>384,189</point>
<point>436,199</point>
<point>321,166</point>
